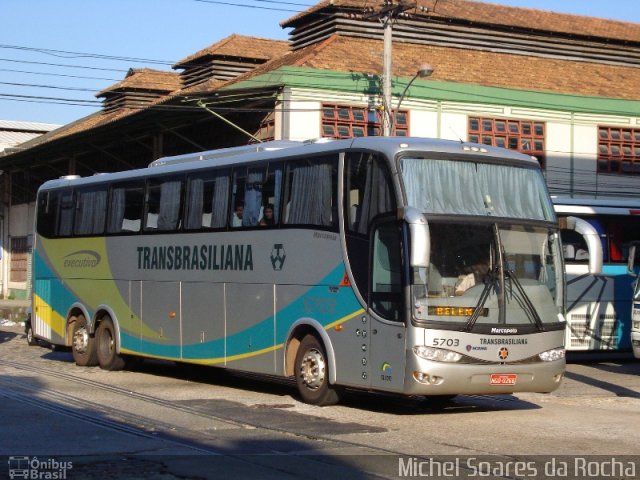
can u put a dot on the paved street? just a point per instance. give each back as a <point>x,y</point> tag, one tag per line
<point>167,421</point>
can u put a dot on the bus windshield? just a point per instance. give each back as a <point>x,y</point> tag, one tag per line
<point>490,274</point>
<point>468,188</point>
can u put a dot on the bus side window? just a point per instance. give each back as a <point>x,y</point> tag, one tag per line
<point>311,187</point>
<point>125,208</point>
<point>47,213</point>
<point>164,201</point>
<point>369,192</point>
<point>386,272</point>
<point>574,246</point>
<point>207,200</point>
<point>65,214</point>
<point>91,211</point>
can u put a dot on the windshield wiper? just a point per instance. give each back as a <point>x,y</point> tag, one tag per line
<point>491,280</point>
<point>525,299</point>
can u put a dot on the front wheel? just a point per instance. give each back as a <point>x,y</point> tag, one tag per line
<point>83,344</point>
<point>31,339</point>
<point>108,357</point>
<point>312,373</point>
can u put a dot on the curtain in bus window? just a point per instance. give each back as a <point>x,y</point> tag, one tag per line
<point>91,212</point>
<point>116,210</point>
<point>446,187</point>
<point>220,201</point>
<point>252,199</point>
<point>169,212</point>
<point>65,220</point>
<point>442,186</point>
<point>376,198</point>
<point>514,192</point>
<point>195,203</point>
<point>277,194</point>
<point>311,195</point>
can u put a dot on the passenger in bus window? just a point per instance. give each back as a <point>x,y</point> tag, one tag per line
<point>236,220</point>
<point>267,219</point>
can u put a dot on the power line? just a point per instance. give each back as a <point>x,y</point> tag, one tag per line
<point>51,74</point>
<point>63,65</point>
<point>70,54</point>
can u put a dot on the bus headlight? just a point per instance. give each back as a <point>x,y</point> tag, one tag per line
<point>552,355</point>
<point>436,354</point>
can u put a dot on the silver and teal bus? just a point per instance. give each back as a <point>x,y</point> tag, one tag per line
<point>407,265</point>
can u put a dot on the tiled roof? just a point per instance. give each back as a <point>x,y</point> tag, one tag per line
<point>239,46</point>
<point>145,79</point>
<point>492,14</point>
<point>466,66</point>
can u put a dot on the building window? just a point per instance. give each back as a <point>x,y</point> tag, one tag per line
<point>18,267</point>
<point>619,150</point>
<point>267,130</point>
<point>345,121</point>
<point>522,135</point>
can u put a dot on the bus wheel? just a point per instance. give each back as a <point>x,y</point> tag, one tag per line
<point>83,345</point>
<point>106,346</point>
<point>31,340</point>
<point>312,373</point>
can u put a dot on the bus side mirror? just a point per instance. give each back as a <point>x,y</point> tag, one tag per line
<point>419,236</point>
<point>591,237</point>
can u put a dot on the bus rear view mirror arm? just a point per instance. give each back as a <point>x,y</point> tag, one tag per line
<point>419,233</point>
<point>592,239</point>
<point>631,258</point>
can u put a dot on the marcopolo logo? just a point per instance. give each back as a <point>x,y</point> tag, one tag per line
<point>82,259</point>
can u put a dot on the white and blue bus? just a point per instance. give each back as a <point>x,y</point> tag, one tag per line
<point>422,267</point>
<point>597,236</point>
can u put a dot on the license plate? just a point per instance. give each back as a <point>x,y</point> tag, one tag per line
<point>503,379</point>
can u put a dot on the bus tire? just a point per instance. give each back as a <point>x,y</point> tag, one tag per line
<point>83,344</point>
<point>312,373</point>
<point>108,357</point>
<point>31,340</point>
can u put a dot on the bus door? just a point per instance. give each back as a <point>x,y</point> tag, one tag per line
<point>387,342</point>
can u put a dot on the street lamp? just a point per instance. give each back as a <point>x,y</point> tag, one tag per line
<point>424,71</point>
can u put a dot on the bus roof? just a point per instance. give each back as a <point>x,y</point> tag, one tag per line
<point>593,206</point>
<point>274,150</point>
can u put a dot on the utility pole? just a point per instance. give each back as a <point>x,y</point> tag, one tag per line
<point>388,13</point>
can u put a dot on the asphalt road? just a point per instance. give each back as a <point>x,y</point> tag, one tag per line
<point>163,420</point>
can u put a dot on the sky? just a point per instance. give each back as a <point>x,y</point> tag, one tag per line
<point>55,55</point>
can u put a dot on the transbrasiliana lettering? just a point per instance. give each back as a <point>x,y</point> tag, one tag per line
<point>196,257</point>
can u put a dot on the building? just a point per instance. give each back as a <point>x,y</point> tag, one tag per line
<point>12,134</point>
<point>561,87</point>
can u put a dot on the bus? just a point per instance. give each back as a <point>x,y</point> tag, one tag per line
<point>405,265</point>
<point>596,238</point>
<point>635,302</point>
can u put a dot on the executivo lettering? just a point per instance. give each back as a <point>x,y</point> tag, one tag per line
<point>82,259</point>
<point>196,257</point>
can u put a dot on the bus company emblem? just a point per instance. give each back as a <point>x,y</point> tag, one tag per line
<point>503,353</point>
<point>82,259</point>
<point>386,372</point>
<point>278,256</point>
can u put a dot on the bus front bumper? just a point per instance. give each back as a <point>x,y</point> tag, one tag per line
<point>426,377</point>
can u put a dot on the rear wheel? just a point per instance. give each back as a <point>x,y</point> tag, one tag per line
<point>83,344</point>
<point>108,357</point>
<point>312,373</point>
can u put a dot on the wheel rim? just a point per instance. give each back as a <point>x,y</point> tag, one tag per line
<point>29,335</point>
<point>312,369</point>
<point>107,345</point>
<point>81,340</point>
